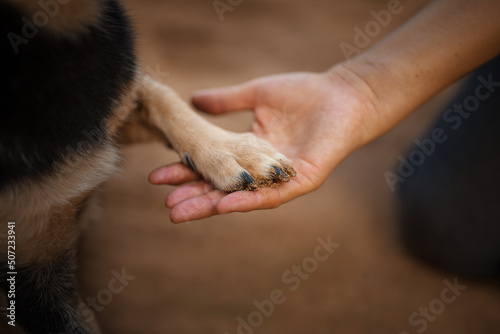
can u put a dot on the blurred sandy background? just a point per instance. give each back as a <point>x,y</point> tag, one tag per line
<point>200,277</point>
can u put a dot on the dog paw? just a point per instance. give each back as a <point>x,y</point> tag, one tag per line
<point>239,162</point>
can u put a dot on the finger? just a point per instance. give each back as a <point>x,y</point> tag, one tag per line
<point>245,201</point>
<point>186,192</point>
<point>202,202</point>
<point>265,198</point>
<point>199,207</point>
<point>173,174</point>
<point>221,100</point>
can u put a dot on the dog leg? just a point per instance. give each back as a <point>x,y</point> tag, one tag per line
<point>230,161</point>
<point>45,290</point>
<point>46,211</point>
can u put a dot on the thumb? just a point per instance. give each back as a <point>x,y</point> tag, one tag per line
<point>222,100</point>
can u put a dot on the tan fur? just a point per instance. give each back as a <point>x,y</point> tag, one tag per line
<point>46,210</point>
<point>128,124</point>
<point>149,111</point>
<point>49,210</point>
<point>73,16</point>
<point>220,156</point>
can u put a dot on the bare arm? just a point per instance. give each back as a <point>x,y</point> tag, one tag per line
<point>445,41</point>
<point>331,114</point>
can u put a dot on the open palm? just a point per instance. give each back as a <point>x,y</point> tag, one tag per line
<point>311,118</point>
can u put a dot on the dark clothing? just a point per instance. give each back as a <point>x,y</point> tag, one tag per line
<point>450,206</point>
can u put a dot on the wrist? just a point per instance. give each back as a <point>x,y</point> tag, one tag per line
<point>390,90</point>
<point>363,107</point>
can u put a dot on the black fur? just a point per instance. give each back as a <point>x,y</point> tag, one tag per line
<point>53,91</point>
<point>54,94</point>
<point>45,300</point>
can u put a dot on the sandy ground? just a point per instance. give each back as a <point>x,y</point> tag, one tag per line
<point>203,276</point>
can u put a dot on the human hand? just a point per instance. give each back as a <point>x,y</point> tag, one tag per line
<point>316,120</point>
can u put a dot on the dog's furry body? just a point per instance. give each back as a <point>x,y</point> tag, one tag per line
<point>69,95</point>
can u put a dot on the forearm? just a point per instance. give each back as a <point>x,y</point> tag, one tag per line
<point>445,41</point>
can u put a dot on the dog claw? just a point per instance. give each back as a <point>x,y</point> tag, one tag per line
<point>279,174</point>
<point>247,178</point>
<point>189,162</point>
